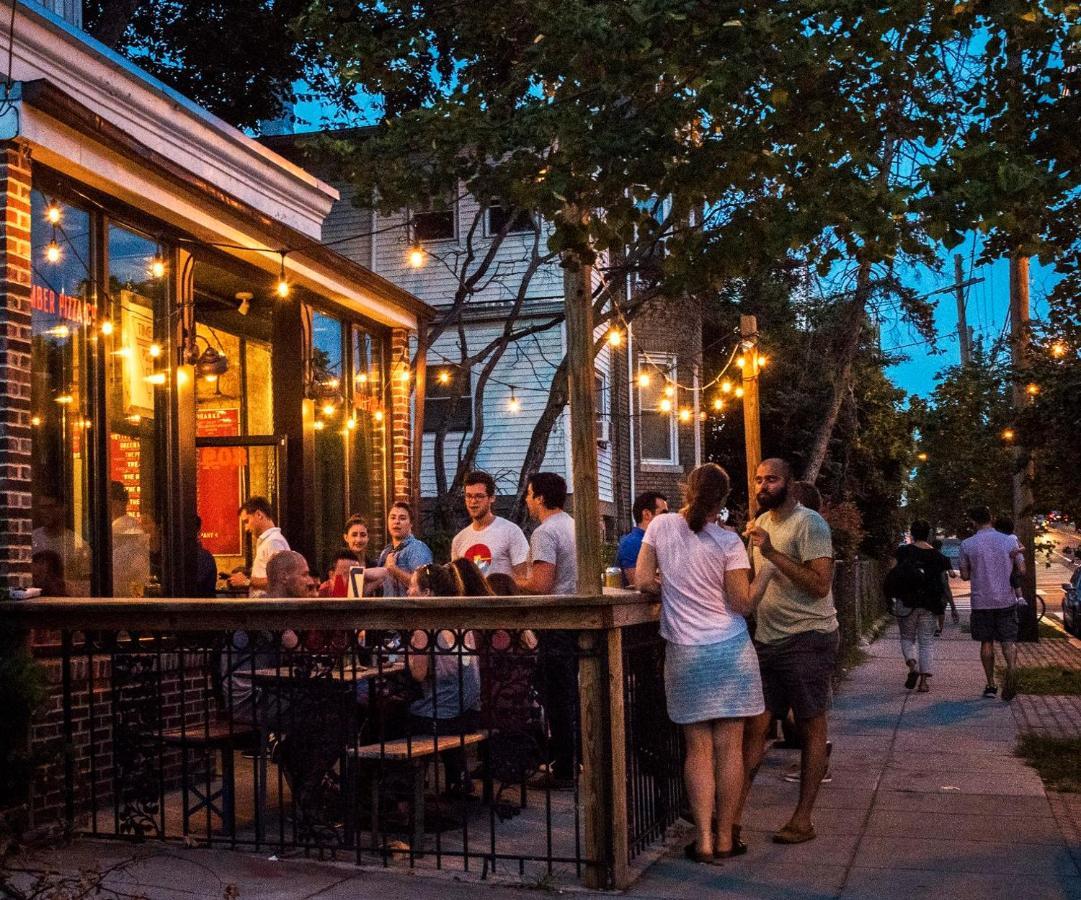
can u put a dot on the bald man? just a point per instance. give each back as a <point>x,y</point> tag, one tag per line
<point>796,635</point>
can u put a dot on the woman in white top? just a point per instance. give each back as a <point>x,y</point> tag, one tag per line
<point>711,675</point>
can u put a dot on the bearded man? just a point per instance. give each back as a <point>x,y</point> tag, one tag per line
<point>796,635</point>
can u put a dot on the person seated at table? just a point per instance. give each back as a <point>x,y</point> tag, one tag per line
<point>337,583</point>
<point>356,539</point>
<point>449,672</point>
<point>47,572</point>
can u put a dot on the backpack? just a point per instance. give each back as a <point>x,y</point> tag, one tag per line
<point>904,584</point>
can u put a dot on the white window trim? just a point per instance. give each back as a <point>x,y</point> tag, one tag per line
<point>455,221</point>
<point>603,411</point>
<point>650,362</point>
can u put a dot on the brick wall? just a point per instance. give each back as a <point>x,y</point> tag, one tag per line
<point>15,522</point>
<point>672,327</point>
<point>400,388</point>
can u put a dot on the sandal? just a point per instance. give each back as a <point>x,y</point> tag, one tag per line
<point>691,852</point>
<point>790,835</point>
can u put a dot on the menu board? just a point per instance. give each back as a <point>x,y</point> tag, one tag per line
<point>124,460</point>
<point>219,473</point>
<point>136,339</point>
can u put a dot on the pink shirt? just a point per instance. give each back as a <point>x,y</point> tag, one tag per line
<point>693,608</point>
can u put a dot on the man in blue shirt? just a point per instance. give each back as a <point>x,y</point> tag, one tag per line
<point>404,553</point>
<point>646,506</point>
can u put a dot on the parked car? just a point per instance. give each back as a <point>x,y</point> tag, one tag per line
<point>951,549</point>
<point>1071,604</point>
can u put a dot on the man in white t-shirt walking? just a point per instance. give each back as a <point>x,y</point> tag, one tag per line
<point>492,542</point>
<point>257,517</point>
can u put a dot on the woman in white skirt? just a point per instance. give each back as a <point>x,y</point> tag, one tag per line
<point>711,675</point>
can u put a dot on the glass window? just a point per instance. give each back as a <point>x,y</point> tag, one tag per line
<point>522,222</point>
<point>138,372</point>
<point>657,410</point>
<point>435,224</point>
<point>600,388</point>
<point>367,486</point>
<point>332,426</point>
<point>448,401</point>
<point>63,324</point>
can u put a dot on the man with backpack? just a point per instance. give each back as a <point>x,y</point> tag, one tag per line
<point>918,585</point>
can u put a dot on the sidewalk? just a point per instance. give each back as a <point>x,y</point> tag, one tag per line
<point>927,800</point>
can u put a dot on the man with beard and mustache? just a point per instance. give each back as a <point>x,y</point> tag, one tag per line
<point>796,636</point>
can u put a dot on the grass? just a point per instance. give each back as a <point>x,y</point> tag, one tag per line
<point>1057,760</point>
<point>1046,680</point>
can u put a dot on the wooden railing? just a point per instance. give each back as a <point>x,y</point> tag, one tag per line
<point>102,636</point>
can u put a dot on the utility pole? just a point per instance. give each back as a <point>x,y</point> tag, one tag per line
<point>1024,469</point>
<point>752,433</point>
<point>578,302</point>
<point>963,336</point>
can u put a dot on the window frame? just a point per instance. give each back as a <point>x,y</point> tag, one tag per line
<point>490,231</point>
<point>432,386</point>
<point>413,215</point>
<point>668,363</point>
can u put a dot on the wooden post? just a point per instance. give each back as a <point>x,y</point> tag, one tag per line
<point>417,448</point>
<point>748,331</point>
<point>962,324</point>
<point>604,759</point>
<point>578,302</point>
<point>1024,469</point>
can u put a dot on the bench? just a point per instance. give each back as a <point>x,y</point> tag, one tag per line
<point>213,737</point>
<point>415,751</point>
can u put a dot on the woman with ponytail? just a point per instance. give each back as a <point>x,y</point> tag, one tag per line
<point>711,675</point>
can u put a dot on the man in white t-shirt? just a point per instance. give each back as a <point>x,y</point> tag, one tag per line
<point>257,517</point>
<point>490,541</point>
<point>54,535</point>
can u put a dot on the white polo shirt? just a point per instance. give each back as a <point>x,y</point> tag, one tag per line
<point>270,542</point>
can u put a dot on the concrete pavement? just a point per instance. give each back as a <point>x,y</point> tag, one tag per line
<point>927,800</point>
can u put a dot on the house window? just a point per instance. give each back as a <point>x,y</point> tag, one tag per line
<point>600,387</point>
<point>657,412</point>
<point>521,223</point>
<point>434,225</point>
<point>448,402</point>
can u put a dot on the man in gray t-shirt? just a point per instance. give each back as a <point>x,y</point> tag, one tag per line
<point>553,569</point>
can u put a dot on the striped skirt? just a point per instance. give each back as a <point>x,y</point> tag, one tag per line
<point>712,681</point>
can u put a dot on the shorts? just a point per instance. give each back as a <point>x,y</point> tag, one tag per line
<point>995,625</point>
<point>797,673</point>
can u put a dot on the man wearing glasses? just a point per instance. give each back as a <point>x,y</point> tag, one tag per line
<point>493,543</point>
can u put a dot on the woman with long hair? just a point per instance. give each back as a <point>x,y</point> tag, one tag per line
<point>711,675</point>
<point>449,671</point>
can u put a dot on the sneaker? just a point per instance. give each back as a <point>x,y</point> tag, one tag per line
<point>990,691</point>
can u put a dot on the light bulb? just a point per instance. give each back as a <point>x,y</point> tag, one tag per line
<point>761,362</point>
<point>718,404</point>
<point>53,214</point>
<point>157,267</point>
<point>444,376</point>
<point>282,288</point>
<point>53,253</point>
<point>669,391</point>
<point>319,425</point>
<point>1032,389</point>
<point>378,415</point>
<point>404,375</point>
<point>65,399</point>
<point>351,423</point>
<point>35,421</point>
<point>1008,434</point>
<point>739,392</point>
<point>155,350</point>
<point>922,457</point>
<point>665,405</point>
<point>514,404</point>
<point>643,380</point>
<point>210,379</point>
<point>615,338</point>
<point>726,387</point>
<point>1058,349</point>
<point>415,256</point>
<point>362,378</point>
<point>106,327</point>
<point>740,361</point>
<point>328,409</point>
<point>684,415</point>
<point>156,378</point>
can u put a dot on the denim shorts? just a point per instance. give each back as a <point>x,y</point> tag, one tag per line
<point>797,673</point>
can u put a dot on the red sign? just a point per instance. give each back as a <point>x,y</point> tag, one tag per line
<point>218,482</point>
<point>124,460</point>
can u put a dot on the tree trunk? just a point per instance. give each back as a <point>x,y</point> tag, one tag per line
<point>850,345</point>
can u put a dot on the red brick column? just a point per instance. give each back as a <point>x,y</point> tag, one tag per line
<point>15,437</point>
<point>400,388</point>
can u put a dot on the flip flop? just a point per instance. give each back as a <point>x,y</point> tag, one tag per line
<point>691,852</point>
<point>789,835</point>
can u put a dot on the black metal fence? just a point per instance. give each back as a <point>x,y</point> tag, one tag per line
<point>454,746</point>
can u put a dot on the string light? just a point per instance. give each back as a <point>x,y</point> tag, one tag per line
<point>761,362</point>
<point>415,256</point>
<point>702,415</point>
<point>53,214</point>
<point>665,405</point>
<point>60,331</point>
<point>740,361</point>
<point>328,409</point>
<point>157,378</point>
<point>404,375</point>
<point>922,457</point>
<point>35,421</point>
<point>1032,389</point>
<point>65,399</point>
<point>718,404</point>
<point>157,266</point>
<point>282,288</point>
<point>106,327</point>
<point>351,423</point>
<point>362,378</point>
<point>643,379</point>
<point>739,392</point>
<point>378,415</point>
<point>210,379</point>
<point>514,404</point>
<point>669,391</point>
<point>443,377</point>
<point>726,387</point>
<point>684,415</point>
<point>1008,434</point>
<point>615,338</point>
<point>155,350</point>
<point>1058,349</point>
<point>319,425</point>
<point>53,253</point>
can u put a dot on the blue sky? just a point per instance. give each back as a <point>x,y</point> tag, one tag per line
<point>987,306</point>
